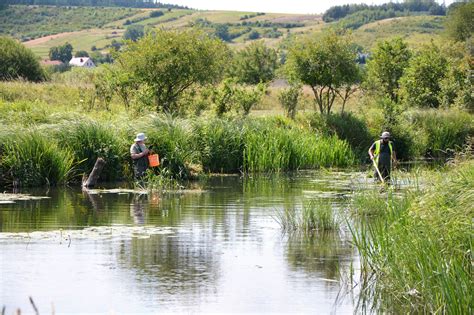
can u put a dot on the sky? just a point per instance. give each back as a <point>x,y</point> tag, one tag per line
<point>273,6</point>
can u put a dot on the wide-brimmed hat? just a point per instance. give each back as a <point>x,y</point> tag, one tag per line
<point>385,134</point>
<point>140,137</point>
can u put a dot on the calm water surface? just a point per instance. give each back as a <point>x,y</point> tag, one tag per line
<point>213,248</point>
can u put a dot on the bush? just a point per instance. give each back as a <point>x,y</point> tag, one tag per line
<point>18,62</point>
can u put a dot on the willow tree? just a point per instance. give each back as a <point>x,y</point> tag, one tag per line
<point>170,62</point>
<point>327,64</point>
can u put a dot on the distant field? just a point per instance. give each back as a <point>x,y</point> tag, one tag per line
<point>416,30</point>
<point>81,40</point>
<point>87,27</point>
<point>29,22</point>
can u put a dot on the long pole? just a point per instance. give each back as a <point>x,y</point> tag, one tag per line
<point>378,172</point>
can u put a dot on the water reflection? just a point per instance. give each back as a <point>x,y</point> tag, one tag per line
<point>319,254</point>
<point>223,251</point>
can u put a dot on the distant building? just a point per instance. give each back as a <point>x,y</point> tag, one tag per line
<point>84,62</point>
<point>47,62</point>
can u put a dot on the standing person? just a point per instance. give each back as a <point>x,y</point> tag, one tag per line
<point>139,154</point>
<point>382,152</point>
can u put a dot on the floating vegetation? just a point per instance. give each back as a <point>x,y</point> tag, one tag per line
<point>90,233</point>
<point>11,198</point>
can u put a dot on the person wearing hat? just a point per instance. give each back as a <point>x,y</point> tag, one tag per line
<point>139,153</point>
<point>382,153</point>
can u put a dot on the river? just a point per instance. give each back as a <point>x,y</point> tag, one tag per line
<point>213,247</point>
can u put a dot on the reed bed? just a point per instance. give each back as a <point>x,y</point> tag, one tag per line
<point>416,253</point>
<point>33,159</point>
<point>89,140</point>
<point>315,215</point>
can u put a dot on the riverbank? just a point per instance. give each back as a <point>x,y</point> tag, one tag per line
<point>51,135</point>
<point>416,247</point>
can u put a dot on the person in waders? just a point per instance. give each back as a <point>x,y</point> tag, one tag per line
<point>139,153</point>
<point>382,154</point>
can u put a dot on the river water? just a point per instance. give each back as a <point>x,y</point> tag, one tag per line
<point>214,247</point>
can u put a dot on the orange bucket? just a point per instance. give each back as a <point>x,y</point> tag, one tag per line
<point>154,160</point>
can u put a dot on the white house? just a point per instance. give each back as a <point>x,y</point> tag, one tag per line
<point>84,62</point>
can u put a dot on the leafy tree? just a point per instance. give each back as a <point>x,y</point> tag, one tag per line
<point>254,35</point>
<point>386,67</point>
<point>254,64</point>
<point>289,99</point>
<point>170,62</point>
<point>62,53</point>
<point>460,21</point>
<point>421,83</point>
<point>134,32</point>
<point>222,32</point>
<point>156,14</point>
<point>327,65</point>
<point>246,97</point>
<point>81,53</point>
<point>17,61</point>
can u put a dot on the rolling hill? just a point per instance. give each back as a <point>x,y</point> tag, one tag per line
<point>42,27</point>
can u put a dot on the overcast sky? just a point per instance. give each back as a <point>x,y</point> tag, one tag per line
<point>275,6</point>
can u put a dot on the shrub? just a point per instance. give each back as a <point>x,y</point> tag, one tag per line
<point>17,61</point>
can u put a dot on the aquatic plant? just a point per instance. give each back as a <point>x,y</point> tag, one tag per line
<point>33,159</point>
<point>273,148</point>
<point>220,144</point>
<point>315,215</point>
<point>416,253</point>
<point>89,140</point>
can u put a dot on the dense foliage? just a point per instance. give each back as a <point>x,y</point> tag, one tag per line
<point>386,66</point>
<point>254,64</point>
<point>460,21</point>
<point>327,65</point>
<point>99,3</point>
<point>28,22</point>
<point>338,12</point>
<point>18,62</point>
<point>62,53</point>
<point>170,62</point>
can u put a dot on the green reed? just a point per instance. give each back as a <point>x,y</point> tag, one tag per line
<point>89,140</point>
<point>33,159</point>
<point>270,147</point>
<point>416,253</point>
<point>220,144</point>
<point>315,215</point>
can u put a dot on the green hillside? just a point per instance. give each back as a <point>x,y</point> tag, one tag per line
<point>85,27</point>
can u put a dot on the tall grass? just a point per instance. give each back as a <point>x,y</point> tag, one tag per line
<point>89,140</point>
<point>274,148</point>
<point>33,160</point>
<point>416,254</point>
<point>315,215</point>
<point>220,144</point>
<point>443,132</point>
<point>171,139</point>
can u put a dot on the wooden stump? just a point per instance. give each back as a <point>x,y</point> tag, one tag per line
<point>94,175</point>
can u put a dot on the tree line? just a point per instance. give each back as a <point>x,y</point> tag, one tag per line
<point>100,3</point>
<point>341,11</point>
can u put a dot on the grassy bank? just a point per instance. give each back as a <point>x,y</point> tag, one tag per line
<point>416,249</point>
<point>185,146</point>
<point>72,118</point>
